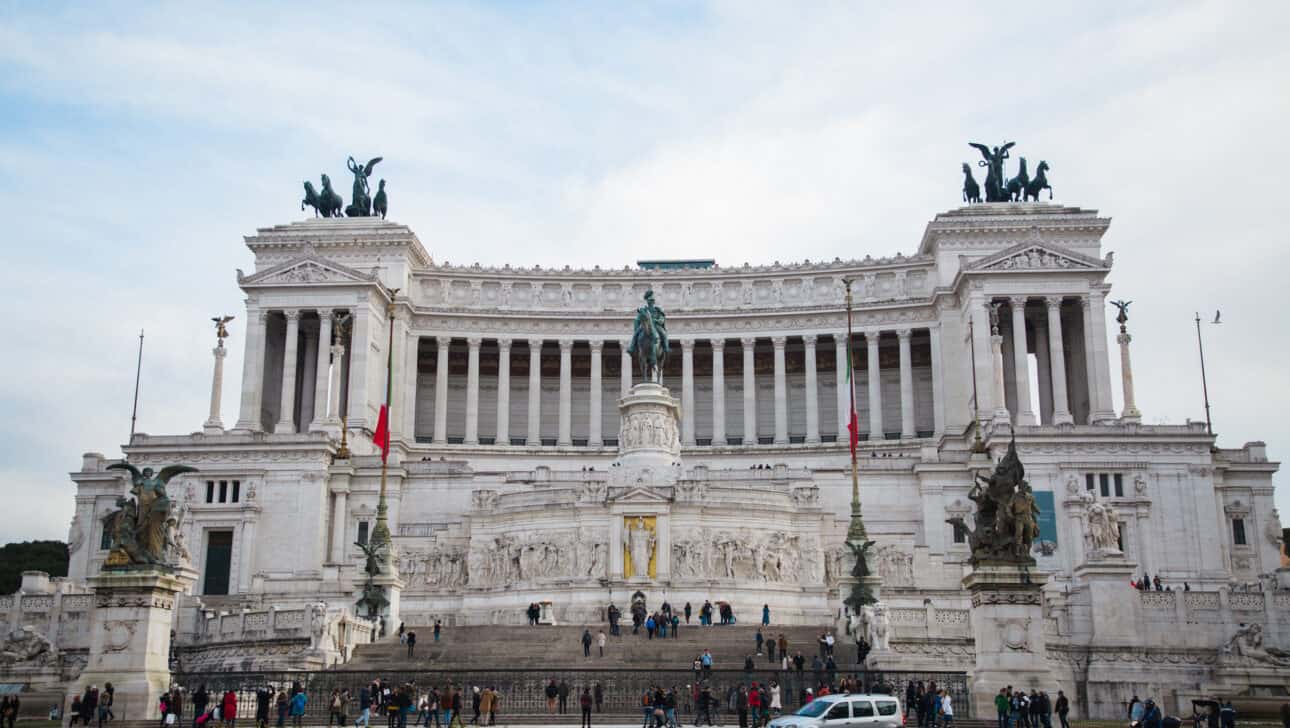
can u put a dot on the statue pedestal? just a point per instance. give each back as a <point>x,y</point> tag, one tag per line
<point>1008,628</point>
<point>392,586</point>
<point>1102,595</point>
<point>649,448</point>
<point>130,636</point>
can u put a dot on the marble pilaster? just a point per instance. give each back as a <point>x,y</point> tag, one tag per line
<point>566,393</point>
<point>907,429</point>
<point>472,390</point>
<point>534,435</point>
<point>503,392</point>
<point>718,391</point>
<point>778,343</point>
<point>322,372</point>
<point>750,391</point>
<point>286,416</point>
<point>1057,362</point>
<point>248,419</point>
<point>441,390</point>
<point>594,436</point>
<point>812,391</point>
<point>875,386</point>
<point>687,392</point>
<point>1025,414</point>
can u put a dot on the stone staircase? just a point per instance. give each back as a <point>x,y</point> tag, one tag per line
<point>560,647</point>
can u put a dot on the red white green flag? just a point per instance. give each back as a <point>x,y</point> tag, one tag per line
<point>853,423</point>
<point>381,436</point>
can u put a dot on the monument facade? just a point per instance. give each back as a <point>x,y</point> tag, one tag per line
<point>532,459</point>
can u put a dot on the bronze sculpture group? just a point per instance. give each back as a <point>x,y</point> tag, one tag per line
<point>998,188</point>
<point>326,203</point>
<point>138,527</point>
<point>1007,516</point>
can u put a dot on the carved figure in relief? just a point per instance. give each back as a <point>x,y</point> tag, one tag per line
<point>1272,531</point>
<point>75,535</point>
<point>1247,644</point>
<point>139,527</point>
<point>27,645</point>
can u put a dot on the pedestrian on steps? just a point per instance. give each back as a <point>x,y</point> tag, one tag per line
<point>586,643</point>
<point>765,614</point>
<point>599,693</point>
<point>600,641</point>
<point>584,701</point>
<point>676,626</point>
<point>412,642</point>
<point>438,626</point>
<point>551,693</point>
<point>564,697</point>
<point>687,612</point>
<point>476,704</point>
<point>760,640</point>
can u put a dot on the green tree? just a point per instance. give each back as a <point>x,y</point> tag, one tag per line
<point>15,558</point>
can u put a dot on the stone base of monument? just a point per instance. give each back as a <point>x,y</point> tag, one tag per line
<point>1102,603</point>
<point>649,449</point>
<point>1008,631</point>
<point>392,586</point>
<point>130,635</point>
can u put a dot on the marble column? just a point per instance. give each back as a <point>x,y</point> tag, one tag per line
<point>907,429</point>
<point>750,391</point>
<point>999,386</point>
<point>534,436</point>
<point>718,391</point>
<point>1025,414</point>
<point>333,398</point>
<point>840,362</point>
<point>215,424</point>
<point>441,390</point>
<point>360,345</point>
<point>1043,371</point>
<point>594,437</point>
<point>875,387</point>
<point>322,371</point>
<point>812,391</point>
<point>625,368</point>
<point>1057,361</point>
<point>472,389</point>
<point>1131,413</point>
<point>286,417</point>
<point>1103,408</point>
<point>309,379</point>
<point>339,515</point>
<point>938,383</point>
<point>978,311</point>
<point>687,392</point>
<point>566,392</point>
<point>503,392</point>
<point>248,419</point>
<point>781,391</point>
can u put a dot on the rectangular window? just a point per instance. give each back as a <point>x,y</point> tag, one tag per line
<point>861,709</point>
<point>210,491</point>
<point>1238,531</point>
<point>1105,481</point>
<point>1119,543</point>
<point>237,490</point>
<point>223,491</point>
<point>105,541</point>
<point>960,534</point>
<point>1088,481</point>
<point>1119,485</point>
<point>362,532</point>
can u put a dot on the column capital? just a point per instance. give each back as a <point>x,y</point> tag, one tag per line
<point>503,344</point>
<point>1053,302</point>
<point>219,352</point>
<point>338,350</point>
<point>1085,303</point>
<point>292,314</point>
<point>718,345</point>
<point>778,341</point>
<point>474,342</point>
<point>748,341</point>
<point>871,338</point>
<point>904,334</point>
<point>810,339</point>
<point>535,343</point>
<point>566,345</point>
<point>687,345</point>
<point>1018,301</point>
<point>262,316</point>
<point>443,341</point>
<point>597,345</point>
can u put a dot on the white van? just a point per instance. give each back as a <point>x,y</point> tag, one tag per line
<point>834,711</point>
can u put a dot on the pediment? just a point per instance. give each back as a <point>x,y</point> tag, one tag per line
<point>640,494</point>
<point>1031,256</point>
<point>307,269</point>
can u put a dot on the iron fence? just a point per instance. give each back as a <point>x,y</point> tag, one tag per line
<point>523,691</point>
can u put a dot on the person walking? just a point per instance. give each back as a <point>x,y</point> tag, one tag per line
<point>687,612</point>
<point>280,705</point>
<point>364,708</point>
<point>228,709</point>
<point>563,692</point>
<point>676,626</point>
<point>584,702</point>
<point>1064,707</point>
<point>1226,713</point>
<point>456,710</point>
<point>600,641</point>
<point>770,650</point>
<point>1002,706</point>
<point>586,643</point>
<point>552,692</point>
<point>1151,716</point>
<point>598,692</point>
<point>263,697</point>
<point>438,627</point>
<point>947,709</point>
<point>765,615</point>
<point>759,639</point>
<point>298,702</point>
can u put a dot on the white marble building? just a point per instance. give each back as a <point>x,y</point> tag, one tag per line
<point>505,427</point>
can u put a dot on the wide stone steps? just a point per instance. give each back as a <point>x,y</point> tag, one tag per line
<point>548,647</point>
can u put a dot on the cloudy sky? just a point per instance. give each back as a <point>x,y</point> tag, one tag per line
<point>138,143</point>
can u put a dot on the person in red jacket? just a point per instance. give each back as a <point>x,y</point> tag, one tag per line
<point>228,709</point>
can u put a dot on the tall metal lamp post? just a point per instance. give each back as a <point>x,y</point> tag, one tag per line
<point>1204,384</point>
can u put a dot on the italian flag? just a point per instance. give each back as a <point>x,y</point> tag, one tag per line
<point>381,436</point>
<point>853,424</point>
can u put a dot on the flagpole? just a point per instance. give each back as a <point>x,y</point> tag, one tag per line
<point>134,410</point>
<point>856,530</point>
<point>381,532</point>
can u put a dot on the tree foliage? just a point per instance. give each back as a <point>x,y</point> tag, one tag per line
<point>15,558</point>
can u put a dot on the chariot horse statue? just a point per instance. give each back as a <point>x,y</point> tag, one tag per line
<point>649,345</point>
